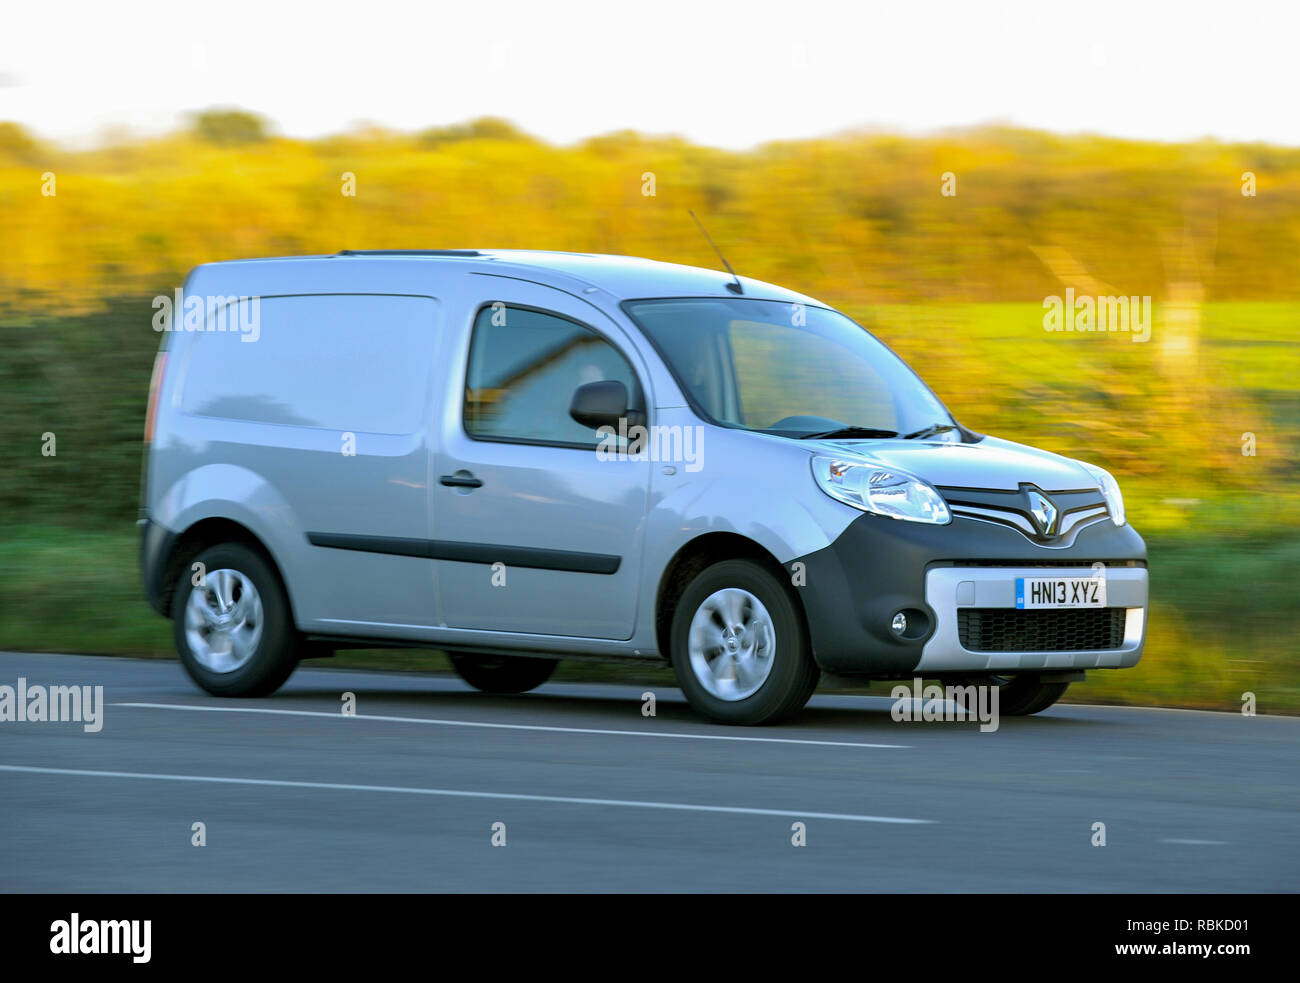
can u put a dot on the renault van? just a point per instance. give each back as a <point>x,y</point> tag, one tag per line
<point>517,457</point>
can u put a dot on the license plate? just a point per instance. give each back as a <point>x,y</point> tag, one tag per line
<point>1060,592</point>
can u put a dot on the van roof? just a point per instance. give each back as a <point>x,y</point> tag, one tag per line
<point>621,277</point>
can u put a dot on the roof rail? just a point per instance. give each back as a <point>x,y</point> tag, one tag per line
<point>409,252</point>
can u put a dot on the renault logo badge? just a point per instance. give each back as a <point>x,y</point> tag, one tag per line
<point>1043,511</point>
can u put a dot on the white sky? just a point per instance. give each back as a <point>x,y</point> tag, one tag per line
<point>729,75</point>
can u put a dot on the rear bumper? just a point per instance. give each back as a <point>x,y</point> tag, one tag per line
<point>878,566</point>
<point>155,547</point>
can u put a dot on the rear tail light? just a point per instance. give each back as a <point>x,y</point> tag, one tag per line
<point>155,389</point>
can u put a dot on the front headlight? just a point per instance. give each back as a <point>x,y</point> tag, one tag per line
<point>1109,490</point>
<point>879,490</point>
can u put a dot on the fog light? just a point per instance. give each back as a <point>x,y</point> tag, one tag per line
<point>899,624</point>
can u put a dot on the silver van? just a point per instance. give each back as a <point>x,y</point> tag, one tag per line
<point>517,457</point>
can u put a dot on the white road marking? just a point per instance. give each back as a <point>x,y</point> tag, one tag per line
<point>335,715</point>
<point>459,793</point>
<point>1198,842</point>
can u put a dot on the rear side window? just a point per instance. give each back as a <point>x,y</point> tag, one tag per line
<point>357,362</point>
<point>523,369</point>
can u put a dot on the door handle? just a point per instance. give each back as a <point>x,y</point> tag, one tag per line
<point>461,479</point>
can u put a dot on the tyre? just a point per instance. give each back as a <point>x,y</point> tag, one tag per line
<point>503,673</point>
<point>234,632</point>
<point>1018,696</point>
<point>739,647</point>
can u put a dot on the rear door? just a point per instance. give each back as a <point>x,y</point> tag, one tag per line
<point>534,530</point>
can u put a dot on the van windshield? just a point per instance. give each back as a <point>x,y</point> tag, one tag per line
<point>788,369</point>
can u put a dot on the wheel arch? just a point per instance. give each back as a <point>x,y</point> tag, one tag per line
<point>204,534</point>
<point>700,553</point>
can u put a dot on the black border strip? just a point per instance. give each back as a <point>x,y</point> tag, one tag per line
<point>569,561</point>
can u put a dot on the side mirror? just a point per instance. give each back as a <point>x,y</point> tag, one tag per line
<point>603,404</point>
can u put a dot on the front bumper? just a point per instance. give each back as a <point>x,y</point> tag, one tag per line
<point>880,566</point>
<point>950,589</point>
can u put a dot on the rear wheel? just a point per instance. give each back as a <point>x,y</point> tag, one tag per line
<point>739,647</point>
<point>1019,695</point>
<point>233,629</point>
<point>503,673</point>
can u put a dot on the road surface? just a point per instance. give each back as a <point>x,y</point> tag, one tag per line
<point>406,795</point>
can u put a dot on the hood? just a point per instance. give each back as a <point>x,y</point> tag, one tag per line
<point>991,463</point>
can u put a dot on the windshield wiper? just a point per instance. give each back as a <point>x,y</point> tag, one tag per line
<point>848,432</point>
<point>930,431</point>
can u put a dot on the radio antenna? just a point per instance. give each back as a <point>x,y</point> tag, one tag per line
<point>735,288</point>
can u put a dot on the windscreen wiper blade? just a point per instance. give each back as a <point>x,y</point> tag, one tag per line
<point>930,431</point>
<point>848,432</point>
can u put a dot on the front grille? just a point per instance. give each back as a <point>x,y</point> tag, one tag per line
<point>1011,630</point>
<point>1072,510</point>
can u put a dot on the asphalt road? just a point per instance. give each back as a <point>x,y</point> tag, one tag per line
<point>594,796</point>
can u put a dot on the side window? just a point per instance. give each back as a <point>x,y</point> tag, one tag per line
<point>338,361</point>
<point>523,369</point>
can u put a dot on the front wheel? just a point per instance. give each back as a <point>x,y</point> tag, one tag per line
<point>739,647</point>
<point>503,673</point>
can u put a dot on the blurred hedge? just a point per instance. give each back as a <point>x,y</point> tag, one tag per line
<point>854,219</point>
<point>85,379</point>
